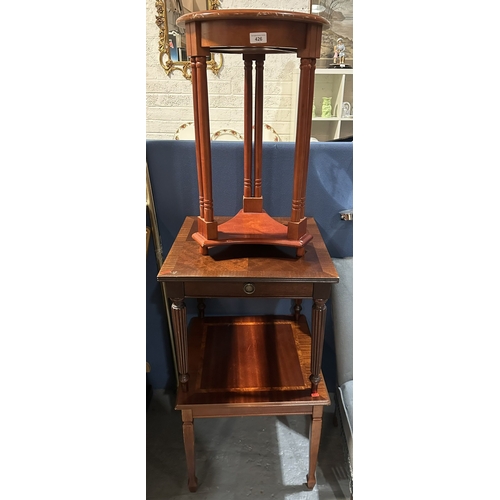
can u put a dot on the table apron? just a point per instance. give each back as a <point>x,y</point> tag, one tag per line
<point>247,289</point>
<point>215,411</point>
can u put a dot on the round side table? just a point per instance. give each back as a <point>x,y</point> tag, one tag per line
<point>252,33</point>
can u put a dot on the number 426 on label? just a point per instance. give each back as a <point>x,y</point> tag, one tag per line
<point>258,37</point>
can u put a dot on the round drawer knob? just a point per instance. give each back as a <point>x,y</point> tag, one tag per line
<point>249,288</point>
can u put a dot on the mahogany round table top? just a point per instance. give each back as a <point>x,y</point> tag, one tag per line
<point>251,14</point>
<point>247,31</point>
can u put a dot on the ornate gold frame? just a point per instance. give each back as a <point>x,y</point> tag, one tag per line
<point>165,60</point>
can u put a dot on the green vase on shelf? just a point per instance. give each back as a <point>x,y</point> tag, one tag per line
<point>326,108</point>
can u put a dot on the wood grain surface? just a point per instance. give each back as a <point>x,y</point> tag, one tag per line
<point>247,262</point>
<point>250,361</point>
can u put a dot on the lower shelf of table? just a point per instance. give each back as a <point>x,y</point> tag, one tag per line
<point>253,365</point>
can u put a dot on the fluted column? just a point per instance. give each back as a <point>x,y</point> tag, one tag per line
<point>318,321</point>
<point>179,324</point>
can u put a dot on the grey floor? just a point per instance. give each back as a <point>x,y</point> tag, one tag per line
<point>242,457</point>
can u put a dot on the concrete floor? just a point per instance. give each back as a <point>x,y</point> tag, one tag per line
<point>242,457</point>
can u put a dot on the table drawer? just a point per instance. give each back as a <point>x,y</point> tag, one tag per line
<point>247,289</point>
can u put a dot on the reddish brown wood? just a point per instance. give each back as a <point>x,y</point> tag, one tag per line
<point>203,134</point>
<point>313,40</point>
<point>250,366</point>
<point>247,132</point>
<point>246,355</point>
<point>216,288</point>
<point>252,228</point>
<point>179,327</point>
<point>226,31</point>
<point>207,227</point>
<point>255,365</point>
<point>314,440</point>
<point>297,307</point>
<point>245,263</point>
<point>193,38</point>
<point>272,273</point>
<point>197,128</point>
<point>302,141</point>
<point>297,229</point>
<point>188,435</point>
<point>250,361</point>
<point>259,120</point>
<point>231,31</point>
<point>252,183</point>
<point>318,336</point>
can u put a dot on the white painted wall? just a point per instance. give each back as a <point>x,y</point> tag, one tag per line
<point>169,98</point>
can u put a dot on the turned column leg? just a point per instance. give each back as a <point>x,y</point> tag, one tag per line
<point>207,226</point>
<point>201,308</point>
<point>304,133</point>
<point>197,129</point>
<point>252,180</point>
<point>179,324</point>
<point>317,338</point>
<point>188,434</point>
<point>314,439</point>
<point>297,226</point>
<point>297,308</point>
<point>259,119</point>
<point>247,131</point>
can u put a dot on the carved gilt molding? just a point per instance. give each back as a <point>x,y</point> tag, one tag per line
<point>166,61</point>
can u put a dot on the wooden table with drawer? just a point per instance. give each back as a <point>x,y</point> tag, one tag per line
<point>253,365</point>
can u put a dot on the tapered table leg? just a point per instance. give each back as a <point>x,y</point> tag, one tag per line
<point>314,439</point>
<point>188,434</point>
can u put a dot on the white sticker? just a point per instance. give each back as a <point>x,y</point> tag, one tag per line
<point>258,37</point>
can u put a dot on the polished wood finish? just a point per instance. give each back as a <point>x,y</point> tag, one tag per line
<point>188,435</point>
<point>252,33</point>
<point>226,31</point>
<point>247,132</point>
<point>250,366</point>
<point>257,361</point>
<point>248,271</point>
<point>314,440</point>
<point>256,365</point>
<point>241,263</point>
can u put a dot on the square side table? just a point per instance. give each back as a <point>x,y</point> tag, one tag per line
<point>253,365</point>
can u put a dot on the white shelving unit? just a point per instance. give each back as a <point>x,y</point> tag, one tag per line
<point>334,83</point>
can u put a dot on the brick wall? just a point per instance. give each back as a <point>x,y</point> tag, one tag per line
<point>169,98</point>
